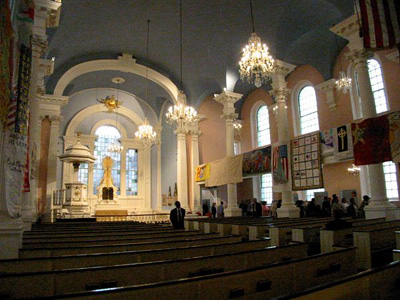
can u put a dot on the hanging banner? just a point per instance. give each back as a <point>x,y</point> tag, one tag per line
<point>394,135</point>
<point>371,141</point>
<point>306,162</point>
<point>327,140</point>
<point>343,142</point>
<point>202,173</point>
<point>257,161</point>
<point>280,164</point>
<point>225,171</point>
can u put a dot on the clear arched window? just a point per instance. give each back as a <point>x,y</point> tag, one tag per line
<point>378,88</point>
<point>106,135</point>
<point>263,133</point>
<point>308,110</point>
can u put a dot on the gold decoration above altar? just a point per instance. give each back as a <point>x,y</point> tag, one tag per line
<point>110,102</point>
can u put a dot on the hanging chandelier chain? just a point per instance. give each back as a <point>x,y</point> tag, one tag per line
<point>147,59</point>
<point>180,37</point>
<point>252,16</point>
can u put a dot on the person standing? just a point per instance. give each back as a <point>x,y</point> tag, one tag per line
<point>256,208</point>
<point>177,215</point>
<point>214,210</point>
<point>205,209</point>
<point>221,210</point>
<point>265,209</point>
<point>243,207</point>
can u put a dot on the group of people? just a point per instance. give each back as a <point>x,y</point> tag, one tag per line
<point>331,205</point>
<point>256,209</point>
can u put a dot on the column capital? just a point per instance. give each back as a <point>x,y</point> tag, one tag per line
<point>361,56</point>
<point>280,94</point>
<point>327,87</point>
<point>229,117</point>
<point>52,10</point>
<point>282,69</point>
<point>39,44</point>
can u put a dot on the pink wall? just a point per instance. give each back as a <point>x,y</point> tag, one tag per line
<point>251,100</point>
<point>212,141</point>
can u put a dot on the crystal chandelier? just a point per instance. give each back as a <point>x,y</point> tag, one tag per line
<point>354,170</point>
<point>343,84</point>
<point>257,65</point>
<point>115,147</point>
<point>181,113</point>
<point>145,132</point>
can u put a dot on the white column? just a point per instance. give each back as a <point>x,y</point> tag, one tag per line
<point>373,174</point>
<point>182,181</point>
<point>147,178</point>
<point>228,100</point>
<point>122,188</point>
<point>280,91</point>
<point>195,193</point>
<point>159,183</point>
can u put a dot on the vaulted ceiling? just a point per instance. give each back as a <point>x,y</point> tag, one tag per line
<point>214,32</point>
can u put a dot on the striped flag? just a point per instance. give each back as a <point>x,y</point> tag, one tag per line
<point>380,23</point>
<point>280,164</point>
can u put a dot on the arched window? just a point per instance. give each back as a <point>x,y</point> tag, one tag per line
<point>106,135</point>
<point>266,188</point>
<point>263,133</point>
<point>378,88</point>
<point>308,110</point>
<point>389,169</point>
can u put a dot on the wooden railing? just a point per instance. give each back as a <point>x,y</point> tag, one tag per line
<point>143,218</point>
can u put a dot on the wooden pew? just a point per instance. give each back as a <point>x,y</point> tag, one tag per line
<point>329,238</point>
<point>310,233</point>
<point>378,283</point>
<point>257,283</point>
<point>374,246</point>
<point>107,259</point>
<point>120,240</point>
<point>40,252</point>
<point>108,236</point>
<point>76,280</point>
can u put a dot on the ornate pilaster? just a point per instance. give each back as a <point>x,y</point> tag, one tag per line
<point>280,93</point>
<point>228,100</point>
<point>159,181</point>
<point>328,88</point>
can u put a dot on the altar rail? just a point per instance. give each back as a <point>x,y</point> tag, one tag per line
<point>143,218</point>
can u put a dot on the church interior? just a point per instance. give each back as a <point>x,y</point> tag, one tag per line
<point>111,111</point>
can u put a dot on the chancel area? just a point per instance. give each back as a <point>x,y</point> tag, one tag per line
<point>270,130</point>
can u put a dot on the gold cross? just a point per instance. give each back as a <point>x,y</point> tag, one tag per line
<point>342,134</point>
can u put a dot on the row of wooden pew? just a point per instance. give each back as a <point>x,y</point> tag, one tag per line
<point>129,260</point>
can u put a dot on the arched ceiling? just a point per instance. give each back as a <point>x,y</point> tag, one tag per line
<point>214,32</point>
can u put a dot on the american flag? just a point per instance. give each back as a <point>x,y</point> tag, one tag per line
<point>380,23</point>
<point>280,163</point>
<point>283,154</point>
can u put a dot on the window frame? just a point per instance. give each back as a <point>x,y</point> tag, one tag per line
<point>394,182</point>
<point>299,109</point>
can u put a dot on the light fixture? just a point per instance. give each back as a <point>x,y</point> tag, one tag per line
<point>275,109</point>
<point>116,146</point>
<point>343,84</point>
<point>181,113</point>
<point>354,170</point>
<point>257,65</point>
<point>237,126</point>
<point>145,132</point>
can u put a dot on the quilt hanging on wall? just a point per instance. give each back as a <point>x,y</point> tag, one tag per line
<point>371,141</point>
<point>394,135</point>
<point>306,162</point>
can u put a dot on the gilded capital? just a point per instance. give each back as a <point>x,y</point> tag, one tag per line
<point>360,57</point>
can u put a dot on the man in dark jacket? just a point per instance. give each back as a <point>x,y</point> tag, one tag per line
<point>177,215</point>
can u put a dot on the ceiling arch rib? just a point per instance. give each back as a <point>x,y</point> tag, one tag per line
<point>124,63</point>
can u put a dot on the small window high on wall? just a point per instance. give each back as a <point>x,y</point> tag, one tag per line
<point>389,169</point>
<point>308,110</point>
<point>263,133</point>
<point>377,85</point>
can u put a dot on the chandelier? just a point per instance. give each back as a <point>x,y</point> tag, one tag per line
<point>146,133</point>
<point>115,147</point>
<point>343,84</point>
<point>257,65</point>
<point>354,170</point>
<point>181,113</point>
